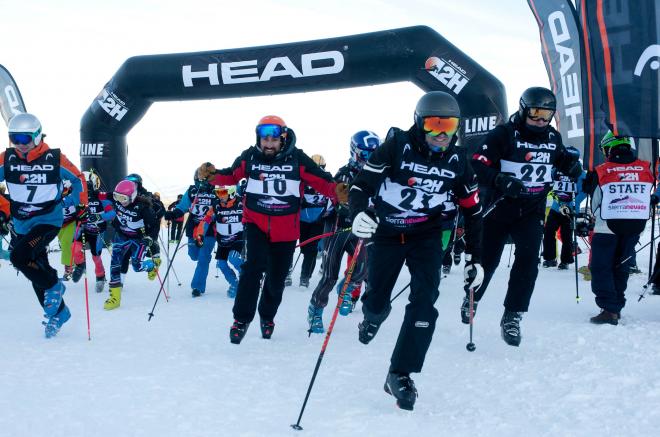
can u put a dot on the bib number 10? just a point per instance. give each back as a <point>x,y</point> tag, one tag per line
<point>279,186</point>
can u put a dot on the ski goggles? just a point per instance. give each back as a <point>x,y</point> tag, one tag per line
<point>21,138</point>
<point>124,199</point>
<point>222,192</point>
<point>270,130</point>
<point>536,114</point>
<point>434,126</point>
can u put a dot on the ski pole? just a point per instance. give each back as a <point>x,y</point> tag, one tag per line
<point>575,257</point>
<point>508,264</point>
<point>318,237</point>
<point>178,281</point>
<point>637,251</point>
<point>470,346</point>
<point>399,293</point>
<point>651,249</point>
<point>358,247</point>
<point>89,332</point>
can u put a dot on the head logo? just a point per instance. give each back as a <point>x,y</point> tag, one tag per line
<point>447,72</point>
<point>332,62</point>
<point>652,51</point>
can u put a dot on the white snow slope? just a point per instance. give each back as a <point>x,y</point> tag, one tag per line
<point>178,375</point>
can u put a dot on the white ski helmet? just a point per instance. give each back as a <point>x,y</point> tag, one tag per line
<point>24,129</point>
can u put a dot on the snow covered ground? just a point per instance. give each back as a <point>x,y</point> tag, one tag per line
<point>178,375</point>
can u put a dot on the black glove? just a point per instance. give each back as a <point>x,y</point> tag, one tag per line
<point>574,170</point>
<point>4,224</point>
<point>509,185</point>
<point>590,183</point>
<point>81,212</point>
<point>654,199</point>
<point>147,241</point>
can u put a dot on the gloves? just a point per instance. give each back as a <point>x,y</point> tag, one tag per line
<point>509,185</point>
<point>206,172</point>
<point>364,225</point>
<point>654,199</point>
<point>81,212</point>
<point>147,241</point>
<point>574,170</point>
<point>199,241</point>
<point>341,190</point>
<point>4,224</point>
<point>473,274</point>
<point>565,210</point>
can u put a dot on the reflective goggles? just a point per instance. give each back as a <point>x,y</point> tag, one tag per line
<point>121,198</point>
<point>22,138</point>
<point>361,154</point>
<point>435,126</point>
<point>536,114</point>
<point>270,130</point>
<point>222,192</point>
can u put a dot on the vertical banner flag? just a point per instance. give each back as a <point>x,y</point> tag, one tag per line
<point>11,102</point>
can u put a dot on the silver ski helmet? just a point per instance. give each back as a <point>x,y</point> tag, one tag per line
<point>25,132</point>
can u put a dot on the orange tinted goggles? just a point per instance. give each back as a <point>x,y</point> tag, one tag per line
<point>536,114</point>
<point>434,126</point>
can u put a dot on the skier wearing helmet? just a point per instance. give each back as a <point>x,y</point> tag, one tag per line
<point>276,172</point>
<point>34,174</point>
<point>418,180</point>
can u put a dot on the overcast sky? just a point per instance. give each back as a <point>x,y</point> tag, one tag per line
<point>61,53</point>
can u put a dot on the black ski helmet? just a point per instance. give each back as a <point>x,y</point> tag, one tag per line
<point>436,104</point>
<point>536,97</point>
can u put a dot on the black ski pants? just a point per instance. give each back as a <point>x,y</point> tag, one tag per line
<point>176,230</point>
<point>262,256</point>
<point>333,253</point>
<point>526,232</point>
<point>423,257</point>
<point>557,220</point>
<point>30,257</point>
<point>609,276</point>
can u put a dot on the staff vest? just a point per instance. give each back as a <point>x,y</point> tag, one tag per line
<point>626,189</point>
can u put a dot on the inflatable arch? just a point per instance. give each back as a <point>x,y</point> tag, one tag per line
<point>417,54</point>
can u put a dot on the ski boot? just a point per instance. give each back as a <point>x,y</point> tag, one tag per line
<point>114,300</point>
<point>100,284</point>
<point>54,323</point>
<point>465,310</point>
<point>304,282</point>
<point>367,331</point>
<point>346,306</point>
<point>634,269</point>
<point>315,319</point>
<point>153,273</point>
<point>78,271</point>
<point>237,331</point>
<point>605,317</point>
<point>53,298</point>
<point>68,271</point>
<point>550,263</point>
<point>563,266</point>
<point>196,292</point>
<point>457,259</point>
<point>288,281</point>
<point>231,291</point>
<point>510,324</point>
<point>267,328</point>
<point>446,269</point>
<point>402,388</point>
<point>655,290</point>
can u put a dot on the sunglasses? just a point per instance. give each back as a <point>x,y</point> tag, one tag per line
<point>434,126</point>
<point>270,130</point>
<point>22,138</point>
<point>536,114</point>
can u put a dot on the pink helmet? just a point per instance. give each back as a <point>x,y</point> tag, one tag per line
<point>125,192</point>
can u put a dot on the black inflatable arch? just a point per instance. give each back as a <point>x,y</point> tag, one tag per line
<point>417,54</point>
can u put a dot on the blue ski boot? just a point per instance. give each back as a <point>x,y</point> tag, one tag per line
<point>53,298</point>
<point>55,322</point>
<point>315,319</point>
<point>346,306</point>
